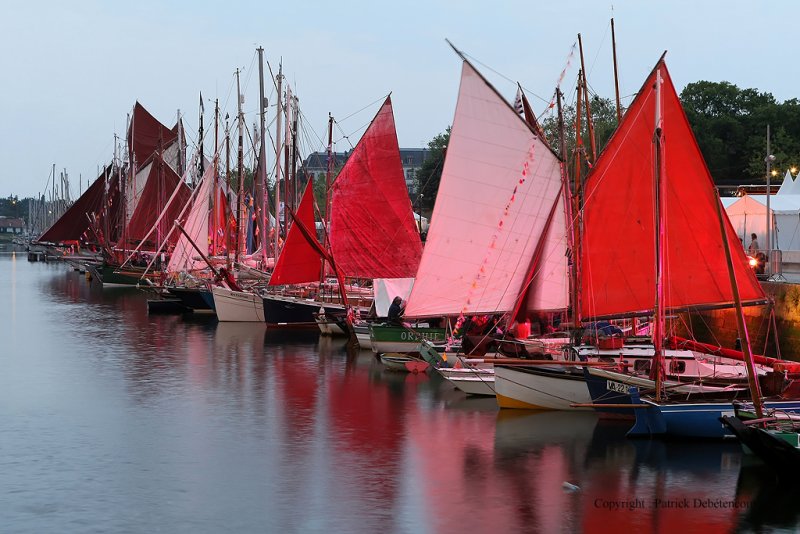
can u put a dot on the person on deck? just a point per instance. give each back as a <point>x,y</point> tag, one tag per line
<point>753,248</point>
<point>396,310</point>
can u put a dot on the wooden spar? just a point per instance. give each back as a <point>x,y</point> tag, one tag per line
<point>215,188</point>
<point>616,75</point>
<point>286,145</point>
<point>241,248</point>
<point>203,256</point>
<point>228,184</point>
<point>568,200</point>
<point>261,187</point>
<point>327,225</point>
<point>522,361</point>
<point>752,379</point>
<point>593,405</point>
<point>200,137</point>
<point>278,138</point>
<point>589,123</point>
<point>295,113</point>
<point>658,318</point>
<point>578,153</point>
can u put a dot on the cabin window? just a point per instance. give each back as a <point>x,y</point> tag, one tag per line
<point>677,367</point>
<point>641,366</point>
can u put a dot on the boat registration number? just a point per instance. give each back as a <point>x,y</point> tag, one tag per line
<point>616,386</point>
<point>414,336</point>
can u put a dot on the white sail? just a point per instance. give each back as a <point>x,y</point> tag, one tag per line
<point>185,257</point>
<point>499,185</point>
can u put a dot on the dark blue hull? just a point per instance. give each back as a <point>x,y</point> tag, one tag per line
<point>199,299</point>
<point>297,312</point>
<point>692,420</point>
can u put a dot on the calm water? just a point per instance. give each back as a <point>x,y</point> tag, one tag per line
<point>115,421</point>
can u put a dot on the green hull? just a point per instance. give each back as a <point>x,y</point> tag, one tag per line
<point>391,338</point>
<point>109,277</point>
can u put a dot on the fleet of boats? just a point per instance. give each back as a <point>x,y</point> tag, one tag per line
<point>606,260</point>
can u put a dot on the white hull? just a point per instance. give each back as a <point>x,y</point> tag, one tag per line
<point>238,305</point>
<point>362,335</point>
<point>470,381</point>
<point>540,389</point>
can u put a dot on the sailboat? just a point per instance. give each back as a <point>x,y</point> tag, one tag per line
<point>651,189</point>
<point>372,229</point>
<point>155,158</point>
<point>498,240</point>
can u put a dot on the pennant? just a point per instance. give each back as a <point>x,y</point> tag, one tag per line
<point>518,106</point>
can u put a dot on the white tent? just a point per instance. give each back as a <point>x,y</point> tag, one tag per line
<point>788,184</point>
<point>422,222</point>
<point>748,214</point>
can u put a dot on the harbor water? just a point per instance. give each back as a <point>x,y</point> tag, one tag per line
<point>116,421</point>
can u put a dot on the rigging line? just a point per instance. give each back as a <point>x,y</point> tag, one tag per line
<point>365,107</point>
<point>599,48</point>
<point>476,60</point>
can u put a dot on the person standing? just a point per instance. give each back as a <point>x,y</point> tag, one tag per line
<point>753,248</point>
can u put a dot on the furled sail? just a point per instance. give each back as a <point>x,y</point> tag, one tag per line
<point>373,233</point>
<point>299,261</point>
<point>499,186</point>
<point>618,244</point>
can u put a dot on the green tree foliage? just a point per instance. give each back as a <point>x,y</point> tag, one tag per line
<point>730,126</point>
<point>430,173</point>
<point>604,119</point>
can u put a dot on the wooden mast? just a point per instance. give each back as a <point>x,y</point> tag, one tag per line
<point>262,201</point>
<point>238,199</point>
<point>215,189</point>
<point>278,137</point>
<point>568,200</point>
<point>200,137</point>
<point>658,316</point>
<point>328,171</point>
<point>616,75</point>
<point>752,378</point>
<point>579,150</point>
<point>295,114</point>
<point>589,123</point>
<point>242,238</point>
<point>286,146</point>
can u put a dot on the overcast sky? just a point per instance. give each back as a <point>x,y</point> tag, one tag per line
<point>73,70</point>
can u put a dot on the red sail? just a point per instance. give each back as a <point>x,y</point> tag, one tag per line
<point>161,183</point>
<point>74,224</point>
<point>373,233</point>
<point>299,261</point>
<point>618,245</point>
<point>146,134</point>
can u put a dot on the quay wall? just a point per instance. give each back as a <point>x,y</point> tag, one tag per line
<point>719,327</point>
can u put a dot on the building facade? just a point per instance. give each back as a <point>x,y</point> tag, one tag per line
<point>316,165</point>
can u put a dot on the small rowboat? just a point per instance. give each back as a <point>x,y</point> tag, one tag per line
<point>395,361</point>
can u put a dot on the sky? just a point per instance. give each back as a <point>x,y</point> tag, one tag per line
<point>72,71</point>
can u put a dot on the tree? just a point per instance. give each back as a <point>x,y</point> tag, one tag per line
<point>604,119</point>
<point>429,175</point>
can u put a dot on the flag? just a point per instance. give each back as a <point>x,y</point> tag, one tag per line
<point>518,107</point>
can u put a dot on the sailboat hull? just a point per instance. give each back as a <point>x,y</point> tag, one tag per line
<point>297,312</point>
<point>193,298</point>
<point>472,381</point>
<point>393,338</point>
<point>237,306</point>
<point>699,420</point>
<point>542,388</point>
